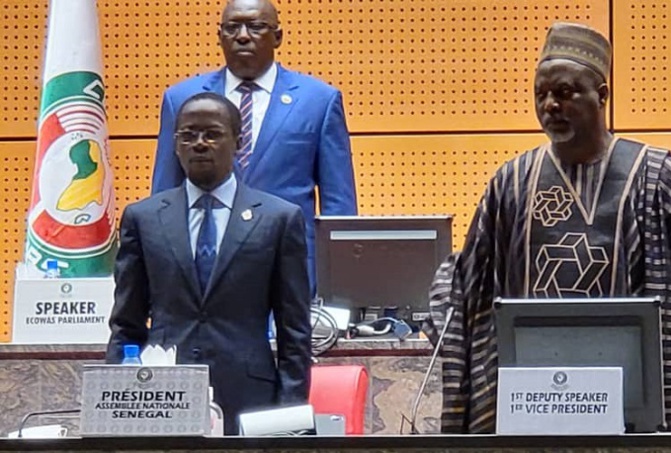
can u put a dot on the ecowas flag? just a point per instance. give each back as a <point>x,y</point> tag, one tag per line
<point>71,217</point>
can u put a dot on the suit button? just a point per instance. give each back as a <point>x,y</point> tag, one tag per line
<point>196,352</point>
<point>203,318</point>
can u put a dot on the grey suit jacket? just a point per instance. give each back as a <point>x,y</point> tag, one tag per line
<point>261,266</point>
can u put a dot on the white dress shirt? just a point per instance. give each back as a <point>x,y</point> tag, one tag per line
<point>225,193</point>
<point>260,96</point>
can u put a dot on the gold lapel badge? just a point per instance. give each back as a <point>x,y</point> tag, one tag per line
<point>286,99</point>
<point>247,215</point>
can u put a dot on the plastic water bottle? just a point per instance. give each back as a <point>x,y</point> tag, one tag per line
<point>216,417</point>
<point>131,355</point>
<point>52,269</point>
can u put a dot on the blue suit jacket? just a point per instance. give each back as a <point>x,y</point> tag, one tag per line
<point>260,267</point>
<point>303,143</point>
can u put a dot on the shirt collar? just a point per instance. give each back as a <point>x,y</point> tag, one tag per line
<point>265,82</point>
<point>224,192</point>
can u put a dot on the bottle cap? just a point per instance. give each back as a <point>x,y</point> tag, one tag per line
<point>131,350</point>
<point>390,312</point>
<point>52,265</point>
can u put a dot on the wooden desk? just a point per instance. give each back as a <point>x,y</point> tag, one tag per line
<point>354,444</point>
<point>47,377</point>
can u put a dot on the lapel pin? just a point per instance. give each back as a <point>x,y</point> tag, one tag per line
<point>247,215</point>
<point>286,99</point>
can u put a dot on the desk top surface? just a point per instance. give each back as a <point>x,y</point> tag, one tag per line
<point>656,442</point>
<point>344,348</point>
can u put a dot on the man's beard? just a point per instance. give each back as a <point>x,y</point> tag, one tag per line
<point>561,137</point>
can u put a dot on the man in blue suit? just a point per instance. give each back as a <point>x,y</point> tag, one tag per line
<point>294,132</point>
<point>208,261</point>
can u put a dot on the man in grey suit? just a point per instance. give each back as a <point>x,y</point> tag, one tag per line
<point>207,262</point>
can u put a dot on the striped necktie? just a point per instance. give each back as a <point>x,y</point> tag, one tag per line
<point>245,152</point>
<point>206,243</point>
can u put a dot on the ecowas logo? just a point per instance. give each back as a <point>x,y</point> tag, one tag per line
<point>560,381</point>
<point>144,375</point>
<point>66,289</point>
<point>72,206</point>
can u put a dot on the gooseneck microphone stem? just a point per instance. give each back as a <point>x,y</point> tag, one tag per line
<point>436,349</point>
<point>52,412</point>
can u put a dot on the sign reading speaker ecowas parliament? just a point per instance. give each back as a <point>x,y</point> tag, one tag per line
<point>122,400</point>
<point>546,401</point>
<point>61,310</point>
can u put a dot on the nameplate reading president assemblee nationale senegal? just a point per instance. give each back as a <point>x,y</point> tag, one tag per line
<point>120,400</point>
<point>546,401</point>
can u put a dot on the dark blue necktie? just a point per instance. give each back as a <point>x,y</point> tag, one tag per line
<point>206,244</point>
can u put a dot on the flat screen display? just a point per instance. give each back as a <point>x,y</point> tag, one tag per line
<point>619,332</point>
<point>380,261</point>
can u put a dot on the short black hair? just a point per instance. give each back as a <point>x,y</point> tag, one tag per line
<point>233,112</point>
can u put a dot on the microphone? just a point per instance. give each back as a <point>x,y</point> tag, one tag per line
<point>51,412</point>
<point>420,392</point>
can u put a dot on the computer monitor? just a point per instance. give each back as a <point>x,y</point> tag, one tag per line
<point>379,262</point>
<point>620,332</point>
